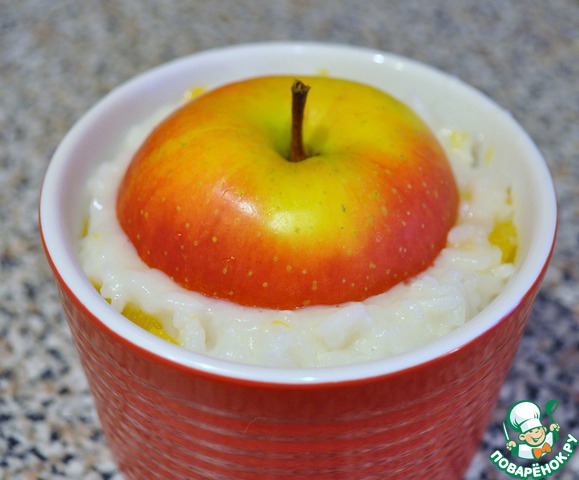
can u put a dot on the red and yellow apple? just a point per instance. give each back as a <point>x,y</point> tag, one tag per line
<point>212,200</point>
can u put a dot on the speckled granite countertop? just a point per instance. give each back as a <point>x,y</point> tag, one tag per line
<point>59,57</point>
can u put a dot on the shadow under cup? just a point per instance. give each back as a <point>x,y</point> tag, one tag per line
<point>170,413</point>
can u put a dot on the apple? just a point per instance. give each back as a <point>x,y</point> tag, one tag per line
<point>239,197</point>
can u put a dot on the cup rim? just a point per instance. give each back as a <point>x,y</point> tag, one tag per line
<point>68,271</point>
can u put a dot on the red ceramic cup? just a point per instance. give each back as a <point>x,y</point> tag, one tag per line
<point>169,413</point>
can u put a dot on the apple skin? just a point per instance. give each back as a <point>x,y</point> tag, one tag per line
<point>211,199</point>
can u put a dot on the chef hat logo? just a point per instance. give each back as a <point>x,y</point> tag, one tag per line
<point>524,416</point>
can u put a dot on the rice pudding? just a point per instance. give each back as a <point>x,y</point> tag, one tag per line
<point>466,276</point>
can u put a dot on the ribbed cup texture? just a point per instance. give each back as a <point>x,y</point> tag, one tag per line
<point>165,421</point>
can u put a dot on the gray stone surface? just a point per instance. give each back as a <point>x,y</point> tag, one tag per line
<point>58,57</point>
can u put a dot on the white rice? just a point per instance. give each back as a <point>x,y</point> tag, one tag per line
<point>466,277</point>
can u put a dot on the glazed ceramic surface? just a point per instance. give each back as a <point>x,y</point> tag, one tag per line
<point>170,413</point>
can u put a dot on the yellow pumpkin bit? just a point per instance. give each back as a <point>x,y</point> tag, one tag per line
<point>147,322</point>
<point>504,236</point>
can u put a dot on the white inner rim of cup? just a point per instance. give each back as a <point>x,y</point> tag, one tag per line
<point>104,125</point>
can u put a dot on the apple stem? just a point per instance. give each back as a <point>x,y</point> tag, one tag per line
<point>299,95</point>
